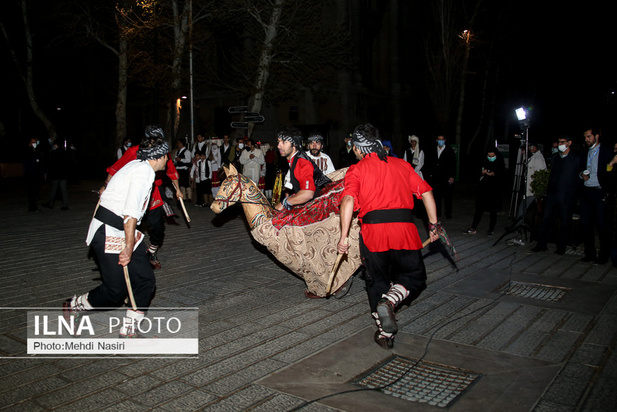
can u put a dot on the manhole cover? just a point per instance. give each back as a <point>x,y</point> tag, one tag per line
<point>421,382</point>
<point>534,291</point>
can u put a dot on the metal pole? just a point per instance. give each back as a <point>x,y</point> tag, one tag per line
<point>191,70</point>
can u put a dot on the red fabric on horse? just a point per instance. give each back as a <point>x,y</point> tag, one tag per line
<point>314,211</point>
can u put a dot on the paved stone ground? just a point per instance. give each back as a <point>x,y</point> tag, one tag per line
<point>255,323</point>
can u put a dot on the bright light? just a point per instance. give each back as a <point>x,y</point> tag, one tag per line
<point>521,114</point>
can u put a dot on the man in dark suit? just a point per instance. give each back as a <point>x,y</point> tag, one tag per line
<point>593,197</point>
<point>439,171</point>
<point>563,186</point>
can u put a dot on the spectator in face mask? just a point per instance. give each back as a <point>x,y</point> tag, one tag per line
<point>346,157</point>
<point>488,196</point>
<point>563,186</point>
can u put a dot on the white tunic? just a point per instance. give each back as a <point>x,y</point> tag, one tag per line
<point>127,194</point>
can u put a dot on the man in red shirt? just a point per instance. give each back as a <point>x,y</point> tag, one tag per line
<point>381,190</point>
<point>305,177</point>
<point>155,217</point>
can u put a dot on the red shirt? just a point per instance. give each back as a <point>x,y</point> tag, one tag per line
<point>156,199</point>
<point>303,172</point>
<point>377,185</point>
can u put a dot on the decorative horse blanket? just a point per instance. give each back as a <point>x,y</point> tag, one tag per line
<point>305,239</point>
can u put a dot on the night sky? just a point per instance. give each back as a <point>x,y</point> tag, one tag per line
<point>561,66</point>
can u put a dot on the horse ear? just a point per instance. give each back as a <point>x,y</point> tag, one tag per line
<point>232,170</point>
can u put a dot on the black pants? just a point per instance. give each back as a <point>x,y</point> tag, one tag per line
<point>593,218</point>
<point>113,291</point>
<point>556,209</point>
<point>405,267</point>
<point>443,191</point>
<point>155,220</point>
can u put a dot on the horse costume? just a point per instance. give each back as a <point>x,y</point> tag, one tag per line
<point>303,239</point>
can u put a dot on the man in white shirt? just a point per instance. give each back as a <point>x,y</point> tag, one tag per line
<point>322,160</point>
<point>252,159</point>
<point>536,162</point>
<point>183,163</point>
<point>115,240</point>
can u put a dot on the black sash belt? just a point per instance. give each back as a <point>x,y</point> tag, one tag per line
<point>109,218</point>
<point>388,216</point>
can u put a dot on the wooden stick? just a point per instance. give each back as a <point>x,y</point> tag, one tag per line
<point>127,279</point>
<point>333,273</point>
<point>426,243</point>
<point>186,215</point>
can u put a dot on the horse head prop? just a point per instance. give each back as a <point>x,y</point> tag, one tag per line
<point>239,189</point>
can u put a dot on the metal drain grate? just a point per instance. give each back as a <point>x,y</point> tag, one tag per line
<point>424,382</point>
<point>534,291</point>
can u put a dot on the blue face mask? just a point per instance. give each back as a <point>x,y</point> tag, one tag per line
<point>491,159</point>
<point>441,143</point>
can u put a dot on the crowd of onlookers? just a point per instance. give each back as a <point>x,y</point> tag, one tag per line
<point>581,183</point>
<point>50,161</point>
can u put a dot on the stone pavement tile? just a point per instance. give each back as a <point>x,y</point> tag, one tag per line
<point>604,331</point>
<point>139,384</point>
<point>441,313</point>
<point>241,378</point>
<point>461,319</point>
<point>316,343</point>
<point>163,393</point>
<point>27,406</point>
<point>548,406</point>
<point>558,347</point>
<point>603,395</point>
<point>92,368</point>
<point>143,366</point>
<point>589,354</point>
<point>536,333</point>
<point>281,402</point>
<point>32,389</point>
<point>484,323</point>
<point>126,406</point>
<point>507,332</point>
<point>243,399</point>
<point>190,401</point>
<point>566,391</point>
<point>27,375</point>
<point>79,389</point>
<point>95,401</point>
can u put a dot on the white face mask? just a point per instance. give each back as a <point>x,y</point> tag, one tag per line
<point>128,144</point>
<point>240,145</point>
<point>562,147</point>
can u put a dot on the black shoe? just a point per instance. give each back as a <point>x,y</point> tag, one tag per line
<point>385,311</point>
<point>539,248</point>
<point>47,205</point>
<point>64,208</point>
<point>588,259</point>
<point>386,343</point>
<point>154,260</point>
<point>342,291</point>
<point>560,252</point>
<point>602,261</point>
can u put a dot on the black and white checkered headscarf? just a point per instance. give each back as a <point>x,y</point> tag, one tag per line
<point>153,153</point>
<point>290,134</point>
<point>366,138</point>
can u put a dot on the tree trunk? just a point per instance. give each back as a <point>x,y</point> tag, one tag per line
<point>26,74</point>
<point>122,89</point>
<point>265,59</point>
<point>181,21</point>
